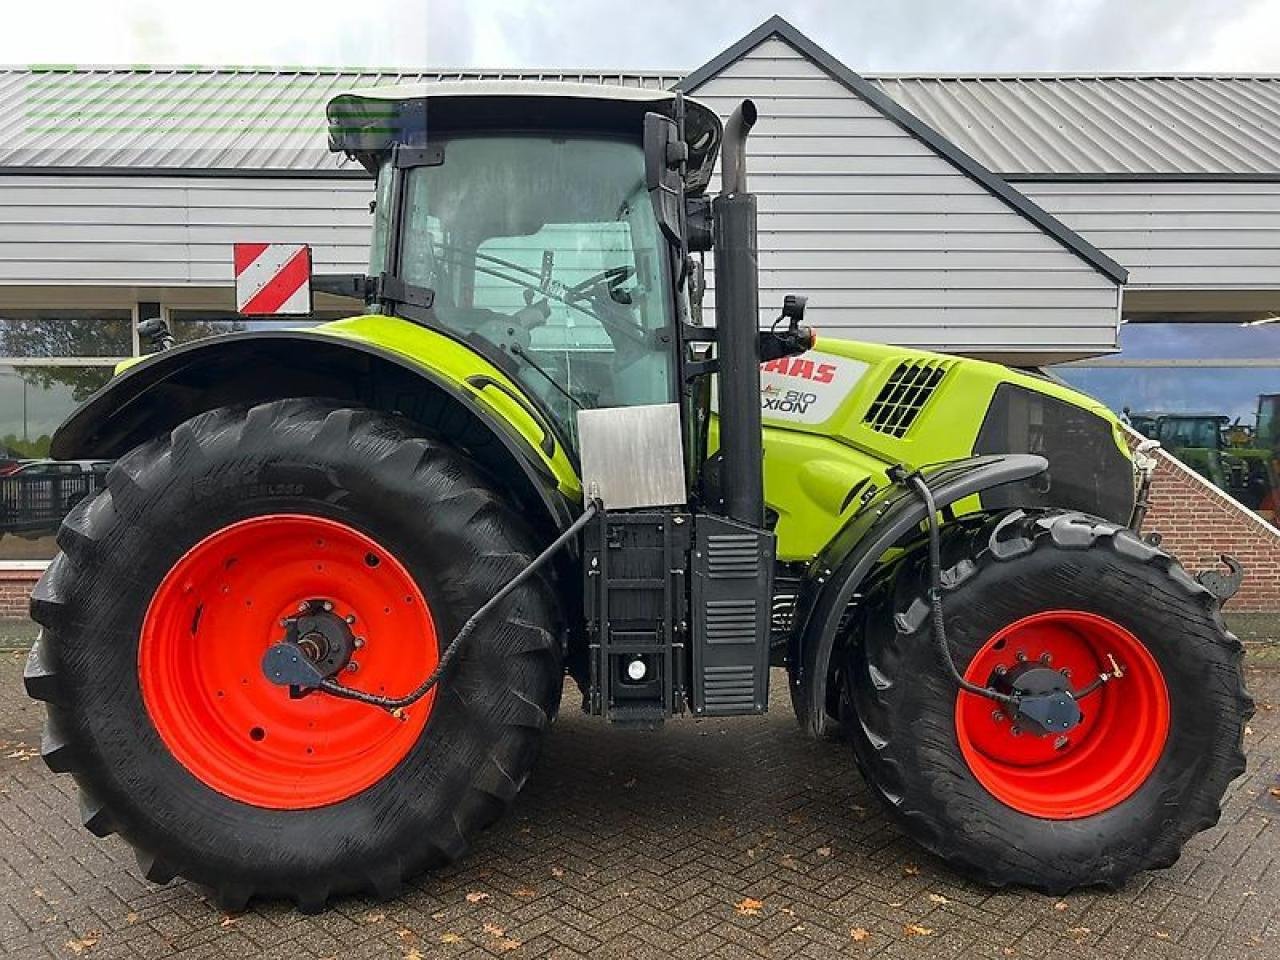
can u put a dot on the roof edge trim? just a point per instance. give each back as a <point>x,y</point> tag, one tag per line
<point>778,27</point>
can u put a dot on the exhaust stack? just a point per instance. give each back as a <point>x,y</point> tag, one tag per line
<point>737,326</point>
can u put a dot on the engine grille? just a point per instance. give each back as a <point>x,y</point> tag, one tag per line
<point>904,395</point>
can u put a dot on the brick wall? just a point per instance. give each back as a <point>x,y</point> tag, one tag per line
<point>15,589</point>
<point>1198,522</point>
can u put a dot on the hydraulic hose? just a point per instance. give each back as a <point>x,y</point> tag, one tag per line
<point>395,704</point>
<point>935,599</point>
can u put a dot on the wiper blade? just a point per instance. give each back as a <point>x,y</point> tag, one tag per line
<point>524,354</point>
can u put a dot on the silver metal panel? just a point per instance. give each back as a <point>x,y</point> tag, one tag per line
<point>1187,236</point>
<point>633,456</point>
<point>145,230</point>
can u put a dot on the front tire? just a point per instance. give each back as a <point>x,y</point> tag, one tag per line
<point>1123,792</point>
<point>172,583</point>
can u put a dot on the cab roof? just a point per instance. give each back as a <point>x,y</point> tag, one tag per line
<point>366,123</point>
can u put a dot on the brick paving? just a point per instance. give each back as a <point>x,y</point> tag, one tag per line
<point>649,846</point>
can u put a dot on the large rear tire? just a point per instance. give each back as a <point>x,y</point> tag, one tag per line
<point>173,582</point>
<point>1123,792</point>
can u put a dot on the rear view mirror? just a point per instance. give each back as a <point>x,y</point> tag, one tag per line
<point>664,154</point>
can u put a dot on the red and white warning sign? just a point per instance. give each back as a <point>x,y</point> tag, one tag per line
<point>273,278</point>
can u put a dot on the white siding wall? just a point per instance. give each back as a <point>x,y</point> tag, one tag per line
<point>171,230</point>
<point>1202,236</point>
<point>887,238</point>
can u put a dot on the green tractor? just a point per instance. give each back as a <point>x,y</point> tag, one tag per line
<point>1235,458</point>
<point>309,638</point>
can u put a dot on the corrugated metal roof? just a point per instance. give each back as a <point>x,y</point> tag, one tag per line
<point>1204,125</point>
<point>237,118</point>
<point>216,118</point>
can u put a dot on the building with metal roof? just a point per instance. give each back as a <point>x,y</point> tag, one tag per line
<point>1018,218</point>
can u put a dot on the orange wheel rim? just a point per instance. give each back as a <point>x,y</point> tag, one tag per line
<point>215,614</point>
<point>1097,765</point>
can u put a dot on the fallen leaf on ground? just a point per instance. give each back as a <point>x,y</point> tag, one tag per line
<point>229,921</point>
<point>557,871</point>
<point>1079,932</point>
<point>911,870</point>
<point>493,930</point>
<point>524,892</point>
<point>448,937</point>
<point>438,916</point>
<point>374,916</point>
<point>789,862</point>
<point>1060,905</point>
<point>130,917</point>
<point>898,903</point>
<point>1162,935</point>
<point>404,933</point>
<point>1008,951</point>
<point>788,911</point>
<point>475,896</point>
<point>915,930</point>
<point>87,942</point>
<point>824,851</point>
<point>507,944</point>
<point>749,907</point>
<point>413,954</point>
<point>1275,792</point>
<point>938,898</point>
<point>859,934</point>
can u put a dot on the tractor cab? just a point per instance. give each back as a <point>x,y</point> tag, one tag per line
<point>528,221</point>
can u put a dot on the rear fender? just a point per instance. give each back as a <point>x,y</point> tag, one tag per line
<point>843,566</point>
<point>473,406</point>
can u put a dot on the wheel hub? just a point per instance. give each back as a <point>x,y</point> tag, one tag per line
<point>317,645</point>
<point>1045,702</point>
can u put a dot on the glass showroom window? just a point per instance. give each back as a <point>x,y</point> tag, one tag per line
<point>1208,391</point>
<point>188,325</point>
<point>50,362</point>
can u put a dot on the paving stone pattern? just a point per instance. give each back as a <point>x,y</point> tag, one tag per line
<point>726,839</point>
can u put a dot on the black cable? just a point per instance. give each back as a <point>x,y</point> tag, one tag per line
<point>399,703</point>
<point>935,599</point>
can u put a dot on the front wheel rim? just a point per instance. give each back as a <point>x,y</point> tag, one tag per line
<point>1097,765</point>
<point>215,614</point>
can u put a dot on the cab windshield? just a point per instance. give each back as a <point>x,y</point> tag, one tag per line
<point>546,250</point>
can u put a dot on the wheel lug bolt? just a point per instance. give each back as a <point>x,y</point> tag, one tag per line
<point>1060,743</point>
<point>353,666</point>
<point>997,716</point>
<point>1016,730</point>
<point>1022,656</point>
<point>359,642</point>
<point>303,607</point>
<point>1066,672</point>
<point>351,618</point>
<point>328,605</point>
<point>1001,671</point>
<point>1046,659</point>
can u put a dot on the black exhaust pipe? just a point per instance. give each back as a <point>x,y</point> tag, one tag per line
<point>737,326</point>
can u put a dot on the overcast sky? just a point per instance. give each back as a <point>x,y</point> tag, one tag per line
<point>868,35</point>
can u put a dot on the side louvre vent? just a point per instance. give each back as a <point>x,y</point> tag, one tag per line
<point>730,689</point>
<point>732,585</point>
<point>733,555</point>
<point>905,394</point>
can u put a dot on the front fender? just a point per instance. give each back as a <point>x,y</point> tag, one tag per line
<point>835,576</point>
<point>382,362</point>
